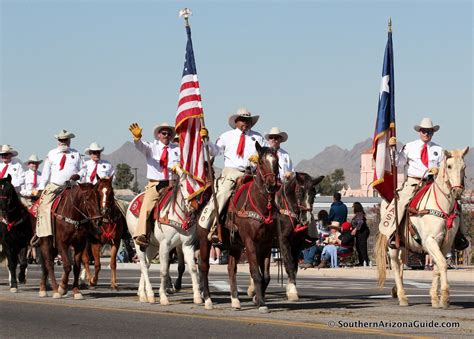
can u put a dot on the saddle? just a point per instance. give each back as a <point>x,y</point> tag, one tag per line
<point>33,210</point>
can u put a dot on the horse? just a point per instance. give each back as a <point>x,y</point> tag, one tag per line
<point>294,201</point>
<point>172,229</point>
<point>434,226</point>
<point>16,231</point>
<point>74,220</point>
<point>111,231</point>
<point>253,229</point>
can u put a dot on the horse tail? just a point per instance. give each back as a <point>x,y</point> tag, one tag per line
<point>381,258</point>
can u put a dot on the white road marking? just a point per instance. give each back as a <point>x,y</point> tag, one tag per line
<point>223,286</point>
<point>417,284</point>
<point>416,295</point>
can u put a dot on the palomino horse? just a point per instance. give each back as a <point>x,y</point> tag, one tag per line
<point>16,231</point>
<point>250,223</point>
<point>74,218</point>
<point>173,229</point>
<point>294,201</point>
<point>111,231</point>
<point>436,225</point>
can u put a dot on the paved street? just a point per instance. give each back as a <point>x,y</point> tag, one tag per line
<point>340,302</point>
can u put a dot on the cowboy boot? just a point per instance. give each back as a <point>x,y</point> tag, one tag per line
<point>322,264</point>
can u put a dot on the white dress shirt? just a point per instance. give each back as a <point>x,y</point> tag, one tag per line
<point>28,186</point>
<point>228,143</point>
<point>16,172</point>
<point>152,152</point>
<point>104,169</point>
<point>284,163</point>
<point>51,171</point>
<point>410,155</point>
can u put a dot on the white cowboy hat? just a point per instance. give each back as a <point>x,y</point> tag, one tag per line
<point>426,123</point>
<point>63,134</point>
<point>34,158</point>
<point>335,224</point>
<point>164,125</point>
<point>243,113</point>
<point>276,131</point>
<point>7,149</point>
<point>94,147</point>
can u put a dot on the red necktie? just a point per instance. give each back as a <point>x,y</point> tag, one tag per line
<point>164,161</point>
<point>241,147</point>
<point>35,179</point>
<point>94,172</point>
<point>424,155</point>
<point>62,162</point>
<point>4,170</point>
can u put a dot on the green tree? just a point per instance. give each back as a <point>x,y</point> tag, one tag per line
<point>123,176</point>
<point>331,183</point>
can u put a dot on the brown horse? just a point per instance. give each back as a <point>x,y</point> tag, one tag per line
<point>111,231</point>
<point>74,222</point>
<point>250,224</point>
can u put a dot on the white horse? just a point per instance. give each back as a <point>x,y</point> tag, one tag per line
<point>163,239</point>
<point>437,229</point>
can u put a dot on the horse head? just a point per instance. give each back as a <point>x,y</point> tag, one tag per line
<point>453,171</point>
<point>267,167</point>
<point>88,201</point>
<point>305,191</point>
<point>7,191</point>
<point>106,194</point>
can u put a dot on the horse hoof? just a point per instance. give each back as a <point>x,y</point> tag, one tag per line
<point>250,292</point>
<point>435,305</point>
<point>14,290</point>
<point>293,297</point>
<point>62,291</point>
<point>254,300</point>
<point>78,296</point>
<point>394,292</point>
<point>151,299</point>
<point>22,282</point>
<point>56,295</point>
<point>403,303</point>
<point>263,309</point>
<point>208,304</point>
<point>236,304</point>
<point>197,300</point>
<point>142,298</point>
<point>42,294</point>
<point>444,306</point>
<point>170,290</point>
<point>92,287</point>
<point>164,302</point>
<point>114,288</point>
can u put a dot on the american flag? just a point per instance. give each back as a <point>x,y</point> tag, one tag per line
<point>385,127</point>
<point>188,124</point>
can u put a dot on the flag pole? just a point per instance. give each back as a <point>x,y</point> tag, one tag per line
<point>185,13</point>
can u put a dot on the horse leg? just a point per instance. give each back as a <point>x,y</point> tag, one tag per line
<point>23,260</point>
<point>434,287</point>
<point>151,252</point>
<point>12,258</point>
<point>181,268</point>
<point>440,261</point>
<point>85,262</point>
<point>204,252</point>
<point>113,265</point>
<point>256,276</point>
<point>395,257</point>
<point>234,256</point>
<point>285,248</point>
<point>164,271</point>
<point>47,253</point>
<point>78,250</point>
<point>264,263</point>
<point>251,289</point>
<point>188,252</point>
<point>142,292</point>
<point>96,254</point>
<point>43,279</point>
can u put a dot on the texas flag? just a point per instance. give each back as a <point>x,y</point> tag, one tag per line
<point>385,128</point>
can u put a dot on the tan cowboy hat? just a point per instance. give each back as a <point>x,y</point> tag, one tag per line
<point>164,125</point>
<point>335,224</point>
<point>276,131</point>
<point>63,134</point>
<point>243,113</point>
<point>34,158</point>
<point>426,123</point>
<point>7,149</point>
<point>94,147</point>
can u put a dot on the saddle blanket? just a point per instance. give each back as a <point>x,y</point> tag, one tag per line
<point>33,210</point>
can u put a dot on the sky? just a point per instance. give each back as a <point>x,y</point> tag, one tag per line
<point>312,68</point>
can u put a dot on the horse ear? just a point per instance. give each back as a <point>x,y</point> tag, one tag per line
<point>464,151</point>
<point>447,154</point>
<point>97,177</point>
<point>258,147</point>
<point>9,178</point>
<point>318,180</point>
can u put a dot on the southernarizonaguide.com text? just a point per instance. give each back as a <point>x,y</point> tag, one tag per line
<point>394,324</point>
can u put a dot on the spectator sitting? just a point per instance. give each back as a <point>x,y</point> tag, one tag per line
<point>337,243</point>
<point>316,249</point>
<point>338,210</point>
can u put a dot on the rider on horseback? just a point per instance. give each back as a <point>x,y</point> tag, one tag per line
<point>161,156</point>
<point>422,158</point>
<point>62,164</point>
<point>7,166</point>
<point>95,166</point>
<point>237,145</point>
<point>32,185</point>
<point>275,137</point>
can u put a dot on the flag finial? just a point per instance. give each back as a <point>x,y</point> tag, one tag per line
<point>390,24</point>
<point>185,13</point>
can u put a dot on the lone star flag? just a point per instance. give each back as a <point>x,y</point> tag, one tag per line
<point>188,124</point>
<point>385,128</point>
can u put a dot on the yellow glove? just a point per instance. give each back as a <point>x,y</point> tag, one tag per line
<point>204,133</point>
<point>433,170</point>
<point>392,141</point>
<point>136,131</point>
<point>253,158</point>
<point>288,175</point>
<point>34,193</point>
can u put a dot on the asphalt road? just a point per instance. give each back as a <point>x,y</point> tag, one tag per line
<point>327,306</point>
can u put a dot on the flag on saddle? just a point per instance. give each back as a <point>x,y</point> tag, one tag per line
<point>188,124</point>
<point>385,128</point>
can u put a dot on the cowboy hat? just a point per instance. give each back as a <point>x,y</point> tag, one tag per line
<point>335,224</point>
<point>276,131</point>
<point>164,125</point>
<point>426,123</point>
<point>34,158</point>
<point>243,113</point>
<point>94,147</point>
<point>7,149</point>
<point>63,134</point>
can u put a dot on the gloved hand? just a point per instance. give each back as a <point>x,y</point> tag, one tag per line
<point>204,133</point>
<point>75,177</point>
<point>136,131</point>
<point>433,170</point>
<point>288,175</point>
<point>34,193</point>
<point>253,158</point>
<point>392,141</point>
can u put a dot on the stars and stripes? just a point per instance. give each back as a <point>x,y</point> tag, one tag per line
<point>188,124</point>
<point>385,127</point>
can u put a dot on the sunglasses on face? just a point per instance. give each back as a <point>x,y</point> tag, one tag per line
<point>5,155</point>
<point>63,141</point>
<point>274,137</point>
<point>95,152</point>
<point>427,131</point>
<point>165,133</point>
